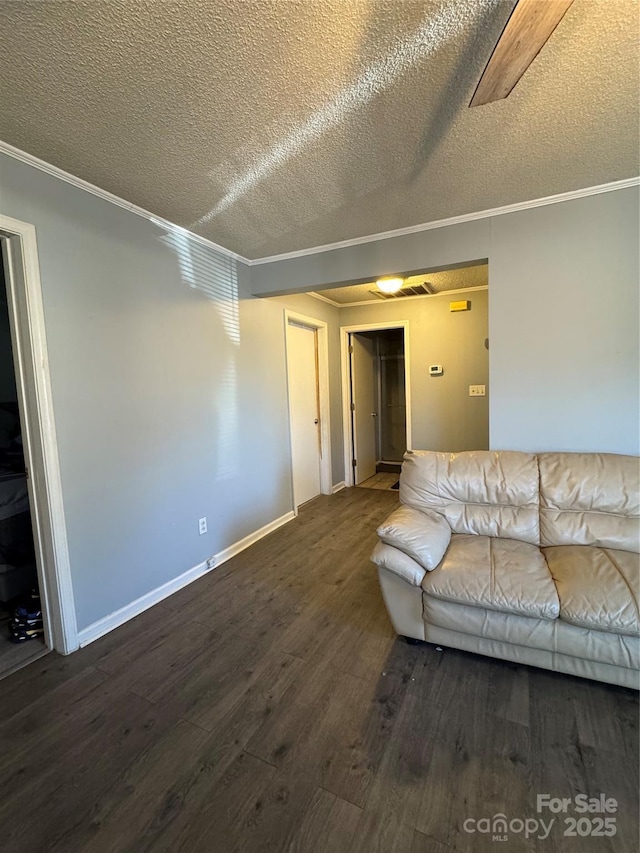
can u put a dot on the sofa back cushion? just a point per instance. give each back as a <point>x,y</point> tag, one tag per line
<point>590,499</point>
<point>491,493</point>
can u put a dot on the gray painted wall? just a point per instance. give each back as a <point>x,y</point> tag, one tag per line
<point>412,253</point>
<point>565,365</point>
<point>169,391</point>
<point>443,416</point>
<point>563,313</point>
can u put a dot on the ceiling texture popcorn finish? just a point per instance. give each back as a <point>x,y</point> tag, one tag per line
<point>271,126</point>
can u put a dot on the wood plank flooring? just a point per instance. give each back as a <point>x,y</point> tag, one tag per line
<point>270,707</point>
<point>14,656</point>
<point>382,480</point>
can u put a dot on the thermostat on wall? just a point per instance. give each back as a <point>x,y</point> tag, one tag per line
<point>436,370</point>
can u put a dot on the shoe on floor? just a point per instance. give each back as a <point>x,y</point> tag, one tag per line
<point>20,634</point>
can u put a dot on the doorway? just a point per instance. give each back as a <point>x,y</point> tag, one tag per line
<point>376,403</point>
<point>42,512</point>
<point>21,623</point>
<point>308,389</point>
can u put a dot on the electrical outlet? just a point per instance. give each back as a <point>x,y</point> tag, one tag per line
<point>202,525</point>
<point>477,390</point>
<point>211,562</point>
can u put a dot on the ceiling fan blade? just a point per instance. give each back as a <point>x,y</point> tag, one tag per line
<point>528,28</point>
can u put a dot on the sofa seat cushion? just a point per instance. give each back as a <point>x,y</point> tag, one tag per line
<point>598,587</point>
<point>506,575</point>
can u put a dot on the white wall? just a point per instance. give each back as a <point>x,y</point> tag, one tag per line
<point>563,313</point>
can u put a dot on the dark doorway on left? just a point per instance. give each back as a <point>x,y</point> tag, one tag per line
<point>21,626</point>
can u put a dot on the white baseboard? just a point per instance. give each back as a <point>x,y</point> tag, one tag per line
<point>234,549</point>
<point>129,611</point>
<point>338,487</point>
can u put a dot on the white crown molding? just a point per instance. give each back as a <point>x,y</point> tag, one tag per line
<point>68,178</point>
<point>452,220</point>
<point>400,299</point>
<point>43,166</point>
<point>324,298</point>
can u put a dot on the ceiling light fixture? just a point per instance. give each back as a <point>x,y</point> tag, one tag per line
<point>389,285</point>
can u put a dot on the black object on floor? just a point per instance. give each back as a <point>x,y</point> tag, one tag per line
<point>26,622</point>
<point>396,485</point>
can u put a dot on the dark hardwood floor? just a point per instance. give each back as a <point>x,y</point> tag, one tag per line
<point>269,706</point>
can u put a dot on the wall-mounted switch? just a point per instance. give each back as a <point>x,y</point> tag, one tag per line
<point>477,390</point>
<point>202,525</point>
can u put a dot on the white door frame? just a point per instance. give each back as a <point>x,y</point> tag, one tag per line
<point>323,393</point>
<point>345,331</point>
<point>26,317</point>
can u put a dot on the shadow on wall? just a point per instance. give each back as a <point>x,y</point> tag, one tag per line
<point>462,82</point>
<point>259,196</point>
<point>216,277</point>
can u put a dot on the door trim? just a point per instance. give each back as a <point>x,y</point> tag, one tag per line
<point>26,316</point>
<point>345,331</point>
<point>326,486</point>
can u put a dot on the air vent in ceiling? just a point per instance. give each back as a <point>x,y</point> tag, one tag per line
<point>424,289</point>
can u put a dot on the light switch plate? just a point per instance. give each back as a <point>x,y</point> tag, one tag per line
<point>477,390</point>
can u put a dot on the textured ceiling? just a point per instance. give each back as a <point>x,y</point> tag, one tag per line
<point>274,125</point>
<point>477,276</point>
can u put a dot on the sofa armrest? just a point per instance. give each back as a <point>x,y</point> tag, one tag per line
<point>402,600</point>
<point>423,535</point>
<point>398,563</point>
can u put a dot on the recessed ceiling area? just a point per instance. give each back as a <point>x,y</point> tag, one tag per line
<point>443,281</point>
<point>271,127</point>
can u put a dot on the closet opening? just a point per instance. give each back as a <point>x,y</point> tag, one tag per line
<point>22,631</point>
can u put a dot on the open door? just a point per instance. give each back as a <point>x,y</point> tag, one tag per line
<point>364,406</point>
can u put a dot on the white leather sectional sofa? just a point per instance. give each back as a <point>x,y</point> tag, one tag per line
<point>530,558</point>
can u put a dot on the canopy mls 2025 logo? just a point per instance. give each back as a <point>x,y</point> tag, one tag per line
<point>579,816</point>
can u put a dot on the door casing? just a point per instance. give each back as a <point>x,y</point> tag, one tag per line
<point>364,412</point>
<point>28,337</point>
